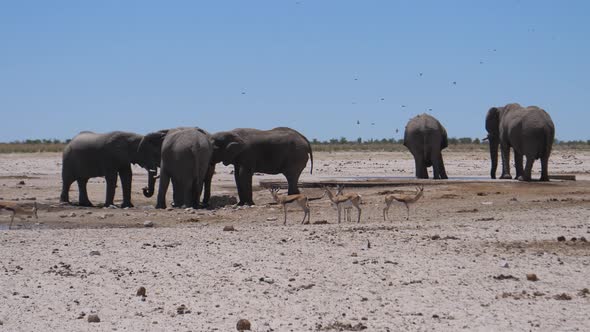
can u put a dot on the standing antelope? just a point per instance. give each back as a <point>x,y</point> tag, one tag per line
<point>347,208</point>
<point>15,208</point>
<point>406,200</point>
<point>285,200</point>
<point>345,200</point>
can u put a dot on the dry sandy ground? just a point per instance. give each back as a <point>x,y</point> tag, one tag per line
<point>460,262</point>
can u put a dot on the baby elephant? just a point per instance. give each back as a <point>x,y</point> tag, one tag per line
<point>425,137</point>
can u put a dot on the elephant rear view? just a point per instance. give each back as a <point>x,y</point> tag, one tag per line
<point>277,151</point>
<point>185,158</point>
<point>91,155</point>
<point>528,130</point>
<point>425,137</point>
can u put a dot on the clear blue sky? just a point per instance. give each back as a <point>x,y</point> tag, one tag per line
<point>317,66</point>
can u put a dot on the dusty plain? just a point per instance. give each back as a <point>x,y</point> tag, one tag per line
<point>460,263</point>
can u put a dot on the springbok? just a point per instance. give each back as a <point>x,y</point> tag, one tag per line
<point>18,210</point>
<point>404,199</point>
<point>345,200</point>
<point>286,200</point>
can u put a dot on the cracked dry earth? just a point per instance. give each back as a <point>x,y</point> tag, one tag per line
<point>464,260</point>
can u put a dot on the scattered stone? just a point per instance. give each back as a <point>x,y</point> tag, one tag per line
<point>105,216</point>
<point>584,292</point>
<point>229,228</point>
<point>583,239</point>
<point>532,277</point>
<point>141,292</point>
<point>573,239</point>
<point>93,318</point>
<point>272,219</point>
<point>148,223</point>
<point>81,315</point>
<point>368,244</point>
<point>435,316</point>
<point>21,183</point>
<point>243,325</point>
<point>1,323</point>
<point>268,280</point>
<point>513,199</point>
<point>505,277</point>
<point>435,237</point>
<point>95,253</point>
<point>561,238</point>
<point>504,264</point>
<point>320,222</point>
<point>216,202</point>
<point>182,309</point>
<point>562,297</point>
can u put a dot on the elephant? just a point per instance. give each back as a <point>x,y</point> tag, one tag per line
<point>184,157</point>
<point>426,137</point>
<point>90,155</point>
<point>280,150</point>
<point>528,130</point>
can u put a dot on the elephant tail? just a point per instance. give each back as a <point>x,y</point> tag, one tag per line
<point>310,153</point>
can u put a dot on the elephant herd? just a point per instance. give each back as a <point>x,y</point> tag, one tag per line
<point>187,156</point>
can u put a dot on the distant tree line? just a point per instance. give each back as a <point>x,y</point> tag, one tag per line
<point>452,141</point>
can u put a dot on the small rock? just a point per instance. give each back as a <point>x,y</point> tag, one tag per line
<point>269,281</point>
<point>320,222</point>
<point>72,215</point>
<point>584,292</point>
<point>562,297</point>
<point>141,291</point>
<point>148,223</point>
<point>95,253</point>
<point>583,239</point>
<point>93,318</point>
<point>81,315</point>
<point>532,277</point>
<point>504,264</point>
<point>435,237</point>
<point>243,325</point>
<point>182,309</point>
<point>21,183</point>
<point>1,323</point>
<point>229,228</point>
<point>272,219</point>
<point>561,238</point>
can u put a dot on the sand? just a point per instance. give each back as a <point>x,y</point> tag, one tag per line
<point>460,262</point>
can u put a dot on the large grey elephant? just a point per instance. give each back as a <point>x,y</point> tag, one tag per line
<point>425,137</point>
<point>90,155</point>
<point>528,130</point>
<point>277,151</point>
<point>184,157</point>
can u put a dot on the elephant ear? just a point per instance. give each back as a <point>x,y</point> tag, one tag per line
<point>493,121</point>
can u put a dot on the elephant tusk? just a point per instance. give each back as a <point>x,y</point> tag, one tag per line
<point>157,177</point>
<point>486,138</point>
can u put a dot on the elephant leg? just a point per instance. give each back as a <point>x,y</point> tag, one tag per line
<point>518,164</point>
<point>505,161</point>
<point>245,179</point>
<point>111,179</point>
<point>438,166</point>
<point>162,189</point>
<point>82,193</point>
<point>239,185</point>
<point>207,185</point>
<point>126,177</point>
<point>421,170</point>
<point>526,175</point>
<point>544,169</point>
<point>187,194</point>
<point>65,190</point>
<point>293,180</point>
<point>197,193</point>
<point>177,193</point>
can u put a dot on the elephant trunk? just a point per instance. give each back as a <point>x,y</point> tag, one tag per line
<point>149,190</point>
<point>494,156</point>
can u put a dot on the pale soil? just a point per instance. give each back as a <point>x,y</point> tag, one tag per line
<point>304,277</point>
